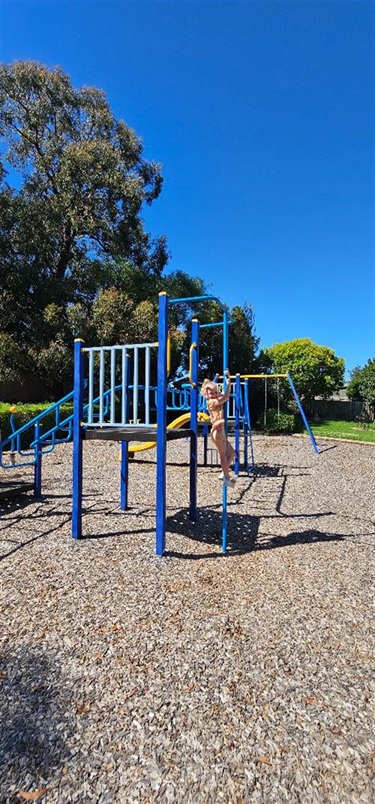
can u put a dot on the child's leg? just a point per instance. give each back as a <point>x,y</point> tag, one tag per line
<point>230,453</point>
<point>221,446</point>
<point>223,459</point>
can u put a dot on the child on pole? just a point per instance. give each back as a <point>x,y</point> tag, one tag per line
<point>215,405</point>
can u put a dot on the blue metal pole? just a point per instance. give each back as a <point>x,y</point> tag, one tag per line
<point>237,405</point>
<point>245,444</point>
<point>124,479</point>
<point>38,461</point>
<point>248,419</point>
<point>194,420</point>
<point>224,493</point>
<point>161,437</point>
<point>302,412</point>
<point>124,471</point>
<point>77,439</point>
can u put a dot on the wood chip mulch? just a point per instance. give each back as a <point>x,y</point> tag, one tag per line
<point>196,677</point>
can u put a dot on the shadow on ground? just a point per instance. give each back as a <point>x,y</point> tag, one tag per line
<point>34,720</point>
<point>243,532</point>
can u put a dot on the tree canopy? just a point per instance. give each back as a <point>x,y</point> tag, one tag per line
<point>75,258</point>
<point>83,172</point>
<point>315,370</point>
<point>362,384</point>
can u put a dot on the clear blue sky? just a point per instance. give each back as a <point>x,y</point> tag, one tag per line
<point>261,114</point>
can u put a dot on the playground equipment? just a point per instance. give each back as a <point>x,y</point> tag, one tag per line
<point>175,425</point>
<point>114,398</point>
<point>243,379</point>
<point>106,370</point>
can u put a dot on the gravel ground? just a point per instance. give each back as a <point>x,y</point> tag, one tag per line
<point>196,677</point>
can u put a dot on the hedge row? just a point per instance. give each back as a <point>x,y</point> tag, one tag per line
<point>24,413</point>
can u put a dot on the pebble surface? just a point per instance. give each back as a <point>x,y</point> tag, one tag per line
<point>195,677</point>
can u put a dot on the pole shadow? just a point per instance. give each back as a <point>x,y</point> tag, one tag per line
<point>243,532</point>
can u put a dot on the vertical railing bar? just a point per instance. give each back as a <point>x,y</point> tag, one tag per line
<point>123,385</point>
<point>135,385</point>
<point>101,384</point>
<point>91,387</point>
<point>113,383</point>
<point>147,384</point>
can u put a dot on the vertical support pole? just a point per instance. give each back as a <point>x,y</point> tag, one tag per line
<point>38,461</point>
<point>248,419</point>
<point>161,437</point>
<point>237,406</point>
<point>124,479</point>
<point>77,439</point>
<point>302,412</point>
<point>124,471</point>
<point>265,405</point>
<point>245,428</point>
<point>224,493</point>
<point>194,420</point>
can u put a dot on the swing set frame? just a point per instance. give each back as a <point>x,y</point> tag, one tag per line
<point>285,376</point>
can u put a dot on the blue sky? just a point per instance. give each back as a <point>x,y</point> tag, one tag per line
<point>261,114</point>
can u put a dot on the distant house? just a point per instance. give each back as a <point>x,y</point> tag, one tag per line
<point>340,395</point>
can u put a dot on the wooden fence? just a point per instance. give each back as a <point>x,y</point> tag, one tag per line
<point>337,409</point>
<point>30,390</point>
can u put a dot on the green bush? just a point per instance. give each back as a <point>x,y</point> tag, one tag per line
<point>278,423</point>
<point>24,413</point>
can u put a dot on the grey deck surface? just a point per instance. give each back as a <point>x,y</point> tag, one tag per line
<point>131,433</point>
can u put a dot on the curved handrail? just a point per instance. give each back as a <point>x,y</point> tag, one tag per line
<point>191,350</point>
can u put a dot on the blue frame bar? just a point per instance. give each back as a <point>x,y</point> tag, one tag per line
<point>124,475</point>
<point>302,412</point>
<point>224,528</point>
<point>161,434</point>
<point>194,421</point>
<point>124,467</point>
<point>237,407</point>
<point>38,461</point>
<point>249,429</point>
<point>77,438</point>
<point>200,299</point>
<point>214,324</point>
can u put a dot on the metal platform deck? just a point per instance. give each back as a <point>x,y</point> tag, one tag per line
<point>131,433</point>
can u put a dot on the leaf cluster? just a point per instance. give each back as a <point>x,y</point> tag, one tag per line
<point>315,369</point>
<point>362,384</point>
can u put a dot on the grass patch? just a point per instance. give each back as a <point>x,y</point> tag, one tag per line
<point>352,430</point>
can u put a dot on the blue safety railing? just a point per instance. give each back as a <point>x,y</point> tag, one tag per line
<point>46,441</point>
<point>14,440</point>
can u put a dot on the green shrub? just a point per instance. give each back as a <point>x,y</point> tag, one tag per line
<point>24,413</point>
<point>278,423</point>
